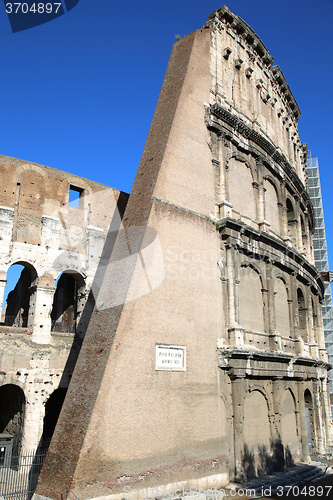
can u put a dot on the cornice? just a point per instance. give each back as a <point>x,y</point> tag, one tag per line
<point>241,28</point>
<point>292,259</point>
<point>223,18</point>
<point>282,82</point>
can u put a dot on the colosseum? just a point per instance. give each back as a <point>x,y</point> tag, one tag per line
<point>204,358</point>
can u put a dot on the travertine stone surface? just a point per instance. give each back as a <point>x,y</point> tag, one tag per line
<point>41,231</point>
<point>217,257</point>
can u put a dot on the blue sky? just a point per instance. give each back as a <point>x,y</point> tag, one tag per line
<point>79,92</point>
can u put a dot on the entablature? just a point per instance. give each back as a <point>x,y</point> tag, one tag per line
<point>267,248</point>
<point>247,363</point>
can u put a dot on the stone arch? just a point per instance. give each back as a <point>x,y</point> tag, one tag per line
<point>74,182</point>
<point>289,433</point>
<point>20,308</point>
<point>272,212</point>
<point>282,319</point>
<point>242,194</point>
<point>12,413</point>
<point>302,314</point>
<point>262,390</point>
<point>53,407</point>
<point>29,167</point>
<point>250,299</point>
<point>257,455</point>
<point>68,302</point>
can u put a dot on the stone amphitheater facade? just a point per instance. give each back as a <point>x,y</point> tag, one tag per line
<point>207,362</point>
<point>59,247</point>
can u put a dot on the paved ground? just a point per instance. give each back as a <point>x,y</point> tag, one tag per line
<point>301,482</point>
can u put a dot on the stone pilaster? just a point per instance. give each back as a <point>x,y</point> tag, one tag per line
<point>235,332</point>
<point>319,417</point>
<point>238,411</point>
<point>303,432</point>
<point>42,314</point>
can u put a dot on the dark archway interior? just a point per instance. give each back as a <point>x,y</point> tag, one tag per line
<point>12,406</point>
<point>52,411</point>
<point>64,309</point>
<point>18,301</point>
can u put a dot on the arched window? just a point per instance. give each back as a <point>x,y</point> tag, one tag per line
<point>67,303</point>
<point>20,294</point>
<point>311,429</point>
<point>302,310</point>
<point>12,406</point>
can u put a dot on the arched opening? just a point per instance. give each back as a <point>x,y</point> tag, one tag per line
<point>52,411</point>
<point>240,181</point>
<point>257,455</point>
<point>250,300</point>
<point>68,302</point>
<point>292,223</point>
<point>302,311</point>
<point>289,432</point>
<point>310,422</point>
<point>20,295</point>
<point>12,407</point>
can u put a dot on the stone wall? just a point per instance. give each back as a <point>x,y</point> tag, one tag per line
<point>220,272</point>
<point>60,245</point>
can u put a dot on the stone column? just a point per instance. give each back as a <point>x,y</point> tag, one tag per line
<point>260,198</point>
<point>328,416</point>
<point>237,387</point>
<point>312,327</point>
<point>274,337</point>
<point>276,384</point>
<point>291,318</point>
<point>33,424</point>
<point>42,317</point>
<point>236,333</point>
<point>320,333</point>
<point>303,432</point>
<point>276,427</point>
<point>319,417</point>
<point>284,217</point>
<point>299,240</point>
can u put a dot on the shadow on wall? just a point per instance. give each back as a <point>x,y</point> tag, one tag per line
<point>266,460</point>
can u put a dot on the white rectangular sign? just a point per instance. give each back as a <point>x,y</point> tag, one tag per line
<point>170,357</point>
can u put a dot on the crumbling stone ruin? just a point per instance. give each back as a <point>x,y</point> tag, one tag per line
<point>59,245</point>
<point>204,359</point>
